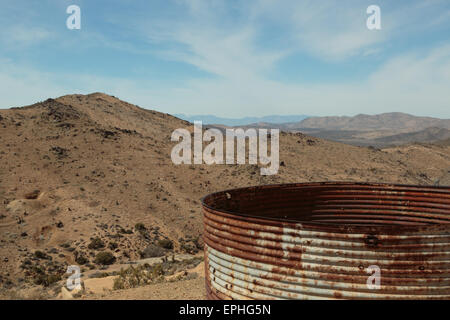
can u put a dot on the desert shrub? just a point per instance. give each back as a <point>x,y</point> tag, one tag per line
<point>65,245</point>
<point>47,279</point>
<point>81,259</point>
<point>119,283</point>
<point>38,270</point>
<point>133,277</point>
<point>140,227</point>
<point>166,244</point>
<point>96,243</point>
<point>156,271</point>
<point>104,258</point>
<point>199,243</point>
<point>99,274</point>
<point>112,245</point>
<point>125,231</point>
<point>189,247</point>
<point>40,255</point>
<point>152,251</point>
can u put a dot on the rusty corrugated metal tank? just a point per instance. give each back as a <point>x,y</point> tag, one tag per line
<point>317,241</point>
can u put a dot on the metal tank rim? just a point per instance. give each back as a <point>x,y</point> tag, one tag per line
<point>327,226</point>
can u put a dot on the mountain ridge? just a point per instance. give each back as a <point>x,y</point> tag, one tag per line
<point>382,130</point>
<point>392,120</point>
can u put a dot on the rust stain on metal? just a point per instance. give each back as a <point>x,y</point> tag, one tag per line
<point>316,241</point>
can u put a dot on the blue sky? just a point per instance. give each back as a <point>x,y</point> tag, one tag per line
<point>232,58</point>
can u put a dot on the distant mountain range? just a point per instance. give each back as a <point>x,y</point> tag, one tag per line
<point>380,130</point>
<point>364,122</point>
<point>272,119</point>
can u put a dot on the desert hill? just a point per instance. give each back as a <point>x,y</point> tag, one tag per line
<point>84,174</point>
<point>432,134</point>
<point>445,142</point>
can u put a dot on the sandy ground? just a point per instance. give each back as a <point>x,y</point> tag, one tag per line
<point>193,289</point>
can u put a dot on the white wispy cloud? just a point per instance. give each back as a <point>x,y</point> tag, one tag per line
<point>17,37</point>
<point>403,83</point>
<point>228,42</point>
<point>416,84</point>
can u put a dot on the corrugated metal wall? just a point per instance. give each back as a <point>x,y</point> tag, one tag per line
<point>317,240</point>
